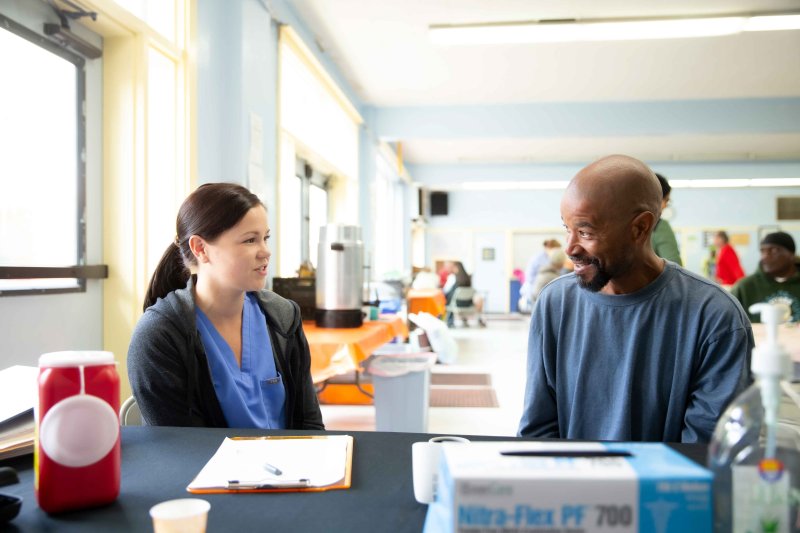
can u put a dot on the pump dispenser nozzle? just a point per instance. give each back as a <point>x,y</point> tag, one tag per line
<point>771,359</point>
<point>771,364</point>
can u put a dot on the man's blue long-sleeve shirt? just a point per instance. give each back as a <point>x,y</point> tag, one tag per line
<point>660,364</point>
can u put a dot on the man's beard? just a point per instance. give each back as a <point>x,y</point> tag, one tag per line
<point>600,278</point>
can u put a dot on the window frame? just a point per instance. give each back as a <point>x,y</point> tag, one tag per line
<point>309,176</point>
<point>80,271</point>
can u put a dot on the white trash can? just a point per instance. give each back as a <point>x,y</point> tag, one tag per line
<point>401,378</point>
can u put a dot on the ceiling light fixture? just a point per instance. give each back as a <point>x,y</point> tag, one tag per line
<point>734,183</point>
<point>545,185</point>
<point>582,30</point>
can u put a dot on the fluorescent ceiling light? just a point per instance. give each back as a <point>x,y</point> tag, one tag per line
<point>775,182</point>
<point>734,183</point>
<point>676,184</point>
<point>513,185</point>
<point>772,23</point>
<point>607,29</point>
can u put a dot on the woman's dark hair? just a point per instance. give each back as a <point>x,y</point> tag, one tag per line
<point>208,212</point>
<point>723,235</point>
<point>462,278</point>
<point>665,187</point>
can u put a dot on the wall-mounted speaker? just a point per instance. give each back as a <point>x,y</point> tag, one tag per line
<point>438,203</point>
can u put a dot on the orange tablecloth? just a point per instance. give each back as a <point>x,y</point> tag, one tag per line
<point>398,325</point>
<point>337,351</point>
<point>428,300</point>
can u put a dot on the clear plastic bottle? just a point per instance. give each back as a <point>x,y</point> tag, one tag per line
<point>755,450</point>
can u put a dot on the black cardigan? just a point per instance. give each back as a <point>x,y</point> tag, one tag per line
<point>169,373</point>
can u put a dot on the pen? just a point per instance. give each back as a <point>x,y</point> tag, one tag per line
<point>566,453</point>
<point>271,484</point>
<point>272,469</point>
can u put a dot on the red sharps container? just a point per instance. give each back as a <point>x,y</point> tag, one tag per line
<point>77,457</point>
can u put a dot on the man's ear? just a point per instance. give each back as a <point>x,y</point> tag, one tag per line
<point>198,247</point>
<point>642,226</point>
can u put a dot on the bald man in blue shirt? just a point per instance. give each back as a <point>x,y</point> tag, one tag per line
<point>629,347</point>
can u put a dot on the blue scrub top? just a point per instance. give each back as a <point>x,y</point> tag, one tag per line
<point>252,396</point>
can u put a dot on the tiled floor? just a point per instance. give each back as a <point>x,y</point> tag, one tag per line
<point>499,350</point>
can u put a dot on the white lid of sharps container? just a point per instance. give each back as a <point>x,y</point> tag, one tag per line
<point>75,358</point>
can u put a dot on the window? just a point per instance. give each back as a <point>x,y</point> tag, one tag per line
<point>389,217</point>
<point>303,210</point>
<point>148,129</point>
<point>161,16</point>
<point>318,155</point>
<point>317,217</point>
<point>42,170</point>
<point>164,192</point>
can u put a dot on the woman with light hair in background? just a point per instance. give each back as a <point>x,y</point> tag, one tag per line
<point>553,269</point>
<point>527,294</point>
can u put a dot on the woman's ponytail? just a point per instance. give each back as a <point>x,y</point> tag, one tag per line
<point>210,210</point>
<point>170,274</point>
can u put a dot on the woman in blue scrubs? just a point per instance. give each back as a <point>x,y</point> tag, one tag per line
<point>213,347</point>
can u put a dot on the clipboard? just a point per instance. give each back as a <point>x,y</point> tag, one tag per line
<point>291,463</point>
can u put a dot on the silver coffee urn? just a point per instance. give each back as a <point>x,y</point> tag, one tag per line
<point>340,277</point>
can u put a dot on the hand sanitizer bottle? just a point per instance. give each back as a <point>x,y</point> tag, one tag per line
<point>755,450</point>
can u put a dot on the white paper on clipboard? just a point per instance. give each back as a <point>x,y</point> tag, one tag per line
<point>321,460</point>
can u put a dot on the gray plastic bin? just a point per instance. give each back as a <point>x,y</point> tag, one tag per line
<point>401,377</point>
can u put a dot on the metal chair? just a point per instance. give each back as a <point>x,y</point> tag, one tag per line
<point>129,413</point>
<point>462,305</point>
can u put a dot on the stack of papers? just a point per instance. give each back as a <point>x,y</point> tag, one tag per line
<point>276,464</point>
<point>18,395</point>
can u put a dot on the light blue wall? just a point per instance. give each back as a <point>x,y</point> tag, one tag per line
<point>236,75</point>
<point>777,115</point>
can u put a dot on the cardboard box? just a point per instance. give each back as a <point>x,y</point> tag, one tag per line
<point>569,487</point>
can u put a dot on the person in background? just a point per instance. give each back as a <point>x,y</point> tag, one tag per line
<point>444,272</point>
<point>458,277</point>
<point>709,265</point>
<point>425,279</point>
<point>213,347</point>
<point>728,269</point>
<point>534,265</point>
<point>663,240</point>
<point>777,279</point>
<point>549,272</point>
<point>629,347</point>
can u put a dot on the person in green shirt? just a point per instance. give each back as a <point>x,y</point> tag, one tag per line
<point>777,279</point>
<point>663,239</point>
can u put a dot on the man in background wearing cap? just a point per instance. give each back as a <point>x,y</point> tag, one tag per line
<point>777,279</point>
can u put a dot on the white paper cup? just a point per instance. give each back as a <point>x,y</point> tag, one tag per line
<point>186,515</point>
<point>425,458</point>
